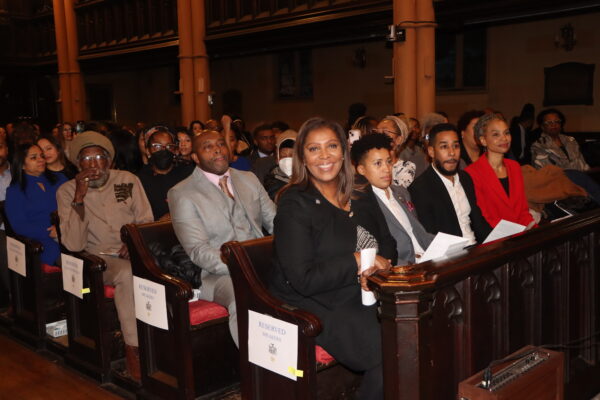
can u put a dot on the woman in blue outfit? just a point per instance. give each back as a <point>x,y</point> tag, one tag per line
<point>31,198</point>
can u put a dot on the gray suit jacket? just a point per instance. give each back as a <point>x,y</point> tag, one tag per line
<point>406,252</point>
<point>200,215</point>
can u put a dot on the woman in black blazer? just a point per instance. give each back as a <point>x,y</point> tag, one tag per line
<point>317,252</point>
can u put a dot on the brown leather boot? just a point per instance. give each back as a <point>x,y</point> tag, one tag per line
<point>132,358</point>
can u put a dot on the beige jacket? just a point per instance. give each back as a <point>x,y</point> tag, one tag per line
<point>120,201</point>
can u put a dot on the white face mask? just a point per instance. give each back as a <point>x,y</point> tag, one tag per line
<point>285,164</point>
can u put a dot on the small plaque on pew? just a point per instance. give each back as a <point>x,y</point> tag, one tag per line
<point>72,275</point>
<point>273,344</point>
<point>15,252</point>
<point>150,303</point>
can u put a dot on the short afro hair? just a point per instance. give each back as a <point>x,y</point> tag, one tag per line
<point>362,146</point>
<point>440,128</point>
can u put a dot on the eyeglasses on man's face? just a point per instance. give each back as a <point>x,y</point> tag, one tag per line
<point>96,157</point>
<point>159,146</point>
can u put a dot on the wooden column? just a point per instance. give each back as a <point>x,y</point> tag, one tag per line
<point>63,60</point>
<point>77,87</point>
<point>193,61</point>
<point>425,57</point>
<point>405,85</point>
<point>200,61</point>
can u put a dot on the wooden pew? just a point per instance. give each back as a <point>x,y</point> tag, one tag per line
<point>196,355</point>
<point>95,340</point>
<point>36,298</point>
<point>250,263</point>
<point>444,321</point>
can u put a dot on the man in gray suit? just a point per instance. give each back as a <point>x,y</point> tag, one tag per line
<point>373,161</point>
<point>214,205</point>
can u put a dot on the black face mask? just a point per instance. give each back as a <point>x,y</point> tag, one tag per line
<point>162,159</point>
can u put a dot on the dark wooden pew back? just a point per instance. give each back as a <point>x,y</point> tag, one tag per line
<point>443,321</point>
<point>184,361</point>
<point>36,298</point>
<point>95,340</point>
<point>250,264</point>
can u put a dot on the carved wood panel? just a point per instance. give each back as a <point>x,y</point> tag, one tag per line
<point>107,24</point>
<point>523,314</point>
<point>448,344</point>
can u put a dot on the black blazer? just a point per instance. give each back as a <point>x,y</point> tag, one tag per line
<point>366,213</point>
<point>315,269</point>
<point>435,209</point>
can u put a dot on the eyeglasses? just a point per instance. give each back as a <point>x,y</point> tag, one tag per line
<point>159,146</point>
<point>553,122</point>
<point>97,157</point>
<point>385,131</point>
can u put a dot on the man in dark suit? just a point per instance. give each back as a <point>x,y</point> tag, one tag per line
<point>444,195</point>
<point>262,157</point>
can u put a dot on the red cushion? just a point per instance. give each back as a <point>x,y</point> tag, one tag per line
<point>322,356</point>
<point>50,269</point>
<point>202,311</point>
<point>109,292</point>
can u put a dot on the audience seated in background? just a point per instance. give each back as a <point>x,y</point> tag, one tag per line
<point>555,148</point>
<point>470,148</point>
<point>56,161</point>
<point>365,125</point>
<point>262,157</point>
<point>5,178</point>
<point>31,198</point>
<point>412,150</point>
<point>371,155</point>
<point>92,209</point>
<point>232,135</point>
<point>184,146</point>
<point>196,128</point>
<point>214,205</point>
<point>403,171</point>
<point>279,127</point>
<point>317,253</point>
<point>498,181</point>
<point>161,173</point>
<point>127,152</point>
<point>444,195</point>
<point>66,134</point>
<point>280,174</point>
<point>521,132</point>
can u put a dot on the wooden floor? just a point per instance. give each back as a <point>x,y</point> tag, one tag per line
<point>27,375</point>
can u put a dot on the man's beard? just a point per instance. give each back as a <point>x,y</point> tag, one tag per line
<point>446,172</point>
<point>101,181</point>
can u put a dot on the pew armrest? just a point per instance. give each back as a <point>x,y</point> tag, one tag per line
<point>143,265</point>
<point>252,293</point>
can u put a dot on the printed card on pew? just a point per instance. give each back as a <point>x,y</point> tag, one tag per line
<point>72,275</point>
<point>504,229</point>
<point>273,344</point>
<point>150,302</point>
<point>15,252</point>
<point>444,245</point>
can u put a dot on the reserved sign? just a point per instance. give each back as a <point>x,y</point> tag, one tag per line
<point>15,252</point>
<point>150,303</point>
<point>273,344</point>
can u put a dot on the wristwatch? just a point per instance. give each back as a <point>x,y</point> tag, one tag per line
<point>77,203</point>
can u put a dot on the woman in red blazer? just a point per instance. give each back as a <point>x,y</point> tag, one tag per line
<point>498,181</point>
